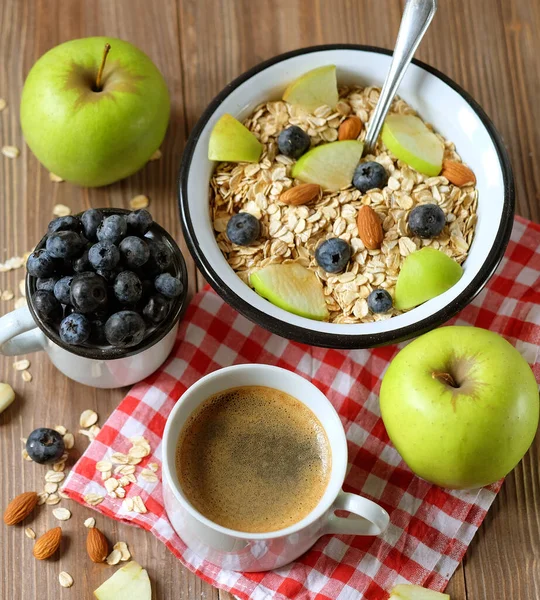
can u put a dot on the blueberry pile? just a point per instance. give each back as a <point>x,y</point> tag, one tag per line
<point>101,280</point>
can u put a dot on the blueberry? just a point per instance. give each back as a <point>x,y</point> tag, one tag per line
<point>46,284</point>
<point>75,329</point>
<point>62,289</point>
<point>91,220</point>
<point>134,251</point>
<point>140,221</point>
<point>243,229</point>
<point>427,220</point>
<point>109,274</point>
<point>81,264</point>
<point>45,445</point>
<point>160,257</point>
<point>88,292</point>
<point>69,223</point>
<point>125,329</point>
<point>157,308</point>
<point>127,287</point>
<point>293,141</point>
<point>169,286</point>
<point>333,255</point>
<point>64,244</point>
<point>112,229</point>
<point>369,175</point>
<point>97,331</point>
<point>41,264</point>
<point>379,301</point>
<point>47,306</point>
<point>104,255</point>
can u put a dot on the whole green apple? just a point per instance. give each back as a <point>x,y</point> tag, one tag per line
<point>93,125</point>
<point>461,406</point>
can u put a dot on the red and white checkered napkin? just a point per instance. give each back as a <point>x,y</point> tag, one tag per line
<point>430,527</point>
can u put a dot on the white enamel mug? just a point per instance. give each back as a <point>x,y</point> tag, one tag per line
<point>241,551</point>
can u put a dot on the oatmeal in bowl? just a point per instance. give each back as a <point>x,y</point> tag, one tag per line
<point>316,242</point>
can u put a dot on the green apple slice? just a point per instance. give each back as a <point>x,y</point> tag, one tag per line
<point>408,138</point>
<point>425,274</point>
<point>314,88</point>
<point>230,141</point>
<point>293,288</point>
<point>415,592</point>
<point>330,165</point>
<point>128,583</point>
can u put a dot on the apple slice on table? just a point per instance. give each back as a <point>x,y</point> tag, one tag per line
<point>230,141</point>
<point>330,165</point>
<point>408,138</point>
<point>293,288</point>
<point>415,592</point>
<point>128,583</point>
<point>314,88</point>
<point>425,274</point>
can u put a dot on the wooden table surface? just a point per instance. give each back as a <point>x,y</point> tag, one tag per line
<point>490,47</point>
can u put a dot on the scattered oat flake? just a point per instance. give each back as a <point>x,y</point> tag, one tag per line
<point>114,557</point>
<point>20,302</point>
<point>140,201</point>
<point>61,429</point>
<point>124,469</point>
<point>106,475</point>
<point>119,458</point>
<point>153,466</point>
<point>62,514</point>
<point>94,430</point>
<point>53,499</point>
<point>69,441</point>
<point>25,455</point>
<point>54,476</point>
<point>88,418</point>
<point>42,498</point>
<point>63,494</point>
<point>120,492</point>
<point>61,210</point>
<point>134,460</point>
<point>3,105</point>
<point>138,452</point>
<point>65,579</point>
<point>149,476</point>
<point>50,487</point>
<point>59,466</point>
<point>21,365</point>
<point>10,151</point>
<point>103,465</point>
<point>26,376</point>
<point>123,549</point>
<point>15,262</point>
<point>7,295</point>
<point>156,156</point>
<point>55,178</point>
<point>139,505</point>
<point>111,484</point>
<point>22,287</point>
<point>90,522</point>
<point>30,533</point>
<point>94,499</point>
<point>127,504</point>
<point>87,434</point>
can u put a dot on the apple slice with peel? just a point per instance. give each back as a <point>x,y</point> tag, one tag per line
<point>314,88</point>
<point>330,165</point>
<point>408,138</point>
<point>293,288</point>
<point>425,274</point>
<point>128,583</point>
<point>415,592</point>
<point>230,141</point>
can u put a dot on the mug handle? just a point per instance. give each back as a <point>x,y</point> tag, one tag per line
<point>373,519</point>
<point>19,334</point>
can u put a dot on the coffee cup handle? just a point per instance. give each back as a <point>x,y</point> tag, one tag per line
<point>19,334</point>
<point>373,519</point>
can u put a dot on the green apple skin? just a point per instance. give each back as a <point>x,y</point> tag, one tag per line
<point>231,141</point>
<point>464,437</point>
<point>94,138</point>
<point>315,88</point>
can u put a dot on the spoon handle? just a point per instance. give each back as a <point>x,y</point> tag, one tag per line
<point>416,19</point>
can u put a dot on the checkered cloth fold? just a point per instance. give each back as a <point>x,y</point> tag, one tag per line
<point>430,527</point>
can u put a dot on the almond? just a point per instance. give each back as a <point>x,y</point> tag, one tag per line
<point>48,543</point>
<point>301,194</point>
<point>457,173</point>
<point>97,545</point>
<point>20,507</point>
<point>369,228</point>
<point>350,129</point>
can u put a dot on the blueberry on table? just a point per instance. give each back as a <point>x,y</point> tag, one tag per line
<point>41,264</point>
<point>139,221</point>
<point>81,264</point>
<point>293,141</point>
<point>47,306</point>
<point>169,286</point>
<point>369,175</point>
<point>157,309</point>
<point>90,221</point>
<point>243,229</point>
<point>134,251</point>
<point>75,329</point>
<point>427,220</point>
<point>62,289</point>
<point>88,292</point>
<point>46,284</point>
<point>104,255</point>
<point>125,329</point>
<point>112,229</point>
<point>68,223</point>
<point>333,255</point>
<point>64,244</point>
<point>160,257</point>
<point>127,287</point>
<point>379,301</point>
<point>45,445</point>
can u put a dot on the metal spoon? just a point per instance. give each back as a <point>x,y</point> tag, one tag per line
<point>416,19</point>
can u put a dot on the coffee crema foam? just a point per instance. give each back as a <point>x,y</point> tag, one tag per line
<point>253,459</point>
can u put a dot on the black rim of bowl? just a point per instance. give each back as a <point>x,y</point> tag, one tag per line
<point>176,312</point>
<point>336,340</point>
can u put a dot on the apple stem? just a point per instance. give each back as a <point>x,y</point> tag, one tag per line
<point>101,67</point>
<point>445,378</point>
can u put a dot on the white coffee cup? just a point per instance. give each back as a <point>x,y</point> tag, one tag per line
<point>241,551</point>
